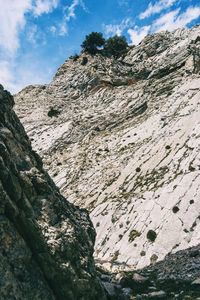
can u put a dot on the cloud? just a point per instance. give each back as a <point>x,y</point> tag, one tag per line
<point>117,29</point>
<point>52,29</point>
<point>71,9</point>
<point>14,81</point>
<point>63,30</point>
<point>123,2</point>
<point>31,36</point>
<point>44,6</point>
<point>173,19</point>
<point>13,20</point>
<point>12,16</point>
<point>137,34</point>
<point>156,8</point>
<point>6,76</point>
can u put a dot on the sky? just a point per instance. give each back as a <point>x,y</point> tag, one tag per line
<point>36,36</point>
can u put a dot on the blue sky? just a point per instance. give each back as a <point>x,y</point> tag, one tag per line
<point>36,36</point>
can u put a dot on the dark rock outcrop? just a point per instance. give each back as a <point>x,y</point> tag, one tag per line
<point>175,277</point>
<point>46,243</point>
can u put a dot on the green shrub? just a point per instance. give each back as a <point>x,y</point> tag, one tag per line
<point>175,209</point>
<point>151,235</point>
<point>84,61</point>
<point>53,112</point>
<point>116,46</point>
<point>92,41</point>
<point>133,234</point>
<point>75,57</point>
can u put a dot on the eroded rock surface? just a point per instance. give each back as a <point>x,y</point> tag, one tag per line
<point>176,277</point>
<point>46,243</point>
<point>122,138</point>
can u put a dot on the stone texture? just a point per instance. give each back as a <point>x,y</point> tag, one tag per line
<point>124,143</point>
<point>175,277</point>
<point>46,243</point>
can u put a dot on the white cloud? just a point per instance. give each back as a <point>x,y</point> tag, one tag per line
<point>26,74</point>
<point>44,6</point>
<point>13,20</point>
<point>173,19</point>
<point>71,9</point>
<point>6,76</point>
<point>156,8</point>
<point>52,29</point>
<point>123,2</point>
<point>137,34</point>
<point>31,36</point>
<point>63,29</point>
<point>12,16</point>
<point>117,29</point>
<point>70,14</point>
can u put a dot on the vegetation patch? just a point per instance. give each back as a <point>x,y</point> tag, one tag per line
<point>53,112</point>
<point>153,258</point>
<point>175,209</point>
<point>191,168</point>
<point>151,235</point>
<point>115,256</point>
<point>133,234</point>
<point>75,57</point>
<point>84,61</point>
<point>92,41</point>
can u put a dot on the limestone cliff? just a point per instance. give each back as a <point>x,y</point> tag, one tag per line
<point>46,243</point>
<point>122,139</point>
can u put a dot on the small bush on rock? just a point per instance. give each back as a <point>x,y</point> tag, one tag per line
<point>116,46</point>
<point>92,41</point>
<point>84,61</point>
<point>75,57</point>
<point>53,112</point>
<point>151,235</point>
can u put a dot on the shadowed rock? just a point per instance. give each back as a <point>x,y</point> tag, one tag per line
<point>46,243</point>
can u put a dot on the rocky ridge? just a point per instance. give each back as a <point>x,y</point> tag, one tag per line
<point>46,243</point>
<point>121,138</point>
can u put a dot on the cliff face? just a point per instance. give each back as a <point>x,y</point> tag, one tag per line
<point>46,243</point>
<point>121,138</point>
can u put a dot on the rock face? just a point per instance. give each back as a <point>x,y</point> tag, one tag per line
<point>46,243</point>
<point>122,139</point>
<point>176,277</point>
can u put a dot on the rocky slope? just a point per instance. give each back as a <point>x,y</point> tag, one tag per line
<point>122,139</point>
<point>176,277</point>
<point>46,243</point>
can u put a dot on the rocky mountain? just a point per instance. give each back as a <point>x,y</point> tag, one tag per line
<point>46,243</point>
<point>122,139</point>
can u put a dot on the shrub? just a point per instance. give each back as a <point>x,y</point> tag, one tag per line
<point>133,234</point>
<point>175,209</point>
<point>151,235</point>
<point>75,57</point>
<point>53,112</point>
<point>116,46</point>
<point>84,61</point>
<point>92,41</point>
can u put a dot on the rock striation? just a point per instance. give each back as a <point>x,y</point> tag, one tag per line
<point>46,243</point>
<point>122,139</point>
